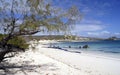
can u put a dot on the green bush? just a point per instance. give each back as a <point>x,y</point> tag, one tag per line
<point>17,41</point>
<point>2,36</point>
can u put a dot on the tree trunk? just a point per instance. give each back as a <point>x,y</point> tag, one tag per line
<point>2,55</point>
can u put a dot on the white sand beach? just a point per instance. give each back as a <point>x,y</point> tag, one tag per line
<point>48,61</point>
<point>33,62</point>
<point>86,63</point>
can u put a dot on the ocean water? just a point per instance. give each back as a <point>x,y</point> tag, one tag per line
<point>110,48</point>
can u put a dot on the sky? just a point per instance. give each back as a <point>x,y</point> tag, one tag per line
<point>101,18</point>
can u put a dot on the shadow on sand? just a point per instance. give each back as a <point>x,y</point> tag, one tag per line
<point>25,69</point>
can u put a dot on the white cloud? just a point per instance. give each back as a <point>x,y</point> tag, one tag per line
<point>102,33</point>
<point>87,27</point>
<point>117,34</point>
<point>91,27</point>
<point>90,21</point>
<point>86,10</point>
<point>105,32</point>
<point>92,33</point>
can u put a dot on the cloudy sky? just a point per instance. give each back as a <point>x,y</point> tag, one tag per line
<point>101,18</point>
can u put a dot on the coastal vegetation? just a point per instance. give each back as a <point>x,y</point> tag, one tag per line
<point>16,41</point>
<point>61,38</point>
<point>27,17</point>
<point>112,38</point>
<point>52,37</point>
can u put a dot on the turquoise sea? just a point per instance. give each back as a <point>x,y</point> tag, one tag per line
<point>110,48</point>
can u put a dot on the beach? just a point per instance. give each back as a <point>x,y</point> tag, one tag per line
<point>90,64</point>
<point>59,37</point>
<point>34,62</point>
<point>49,61</point>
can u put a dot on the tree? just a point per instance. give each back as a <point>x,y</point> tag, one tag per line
<point>27,17</point>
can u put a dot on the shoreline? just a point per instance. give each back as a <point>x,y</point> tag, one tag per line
<point>49,61</point>
<point>45,44</point>
<point>93,64</point>
<point>95,54</point>
<point>34,62</point>
<point>92,50</point>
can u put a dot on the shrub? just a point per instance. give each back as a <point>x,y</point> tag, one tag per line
<point>17,41</point>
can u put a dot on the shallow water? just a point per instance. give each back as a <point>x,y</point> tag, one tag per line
<point>105,48</point>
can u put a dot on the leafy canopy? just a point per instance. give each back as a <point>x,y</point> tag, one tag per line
<point>24,17</point>
<point>27,17</point>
